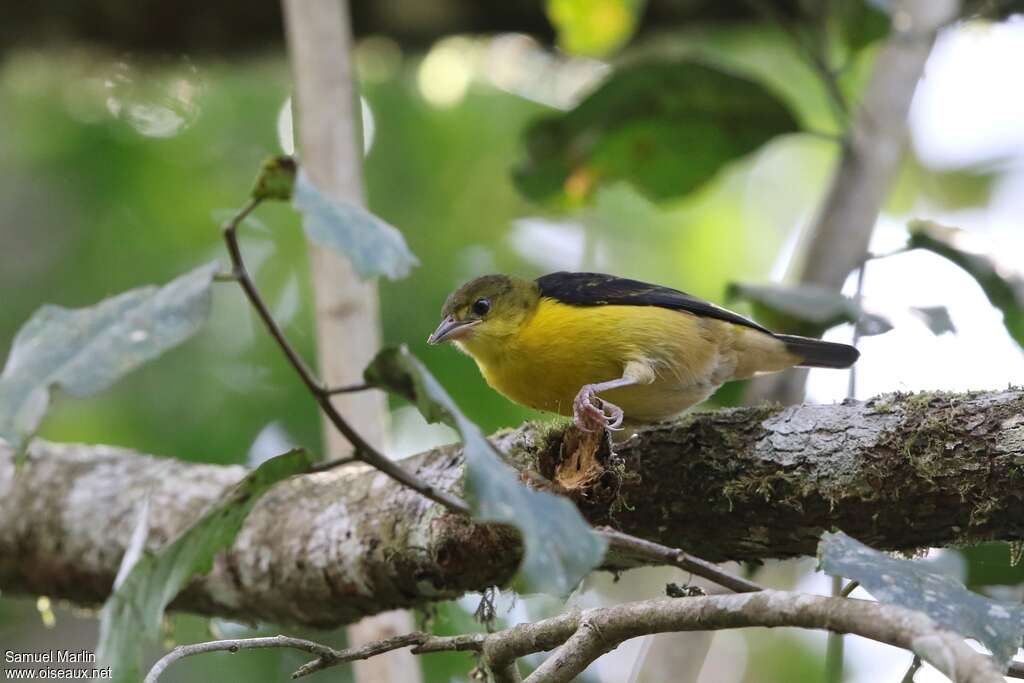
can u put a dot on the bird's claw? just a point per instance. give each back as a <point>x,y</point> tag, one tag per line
<point>593,414</point>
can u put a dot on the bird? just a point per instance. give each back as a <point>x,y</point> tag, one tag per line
<point>608,350</point>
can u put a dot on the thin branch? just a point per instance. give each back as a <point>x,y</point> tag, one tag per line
<point>350,389</point>
<point>235,645</point>
<point>364,451</point>
<point>914,666</point>
<point>649,552</point>
<point>849,588</point>
<point>335,657</point>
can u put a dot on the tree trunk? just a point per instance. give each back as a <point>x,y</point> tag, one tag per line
<point>347,309</point>
<point>899,472</point>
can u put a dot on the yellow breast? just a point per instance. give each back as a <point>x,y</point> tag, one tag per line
<point>561,347</point>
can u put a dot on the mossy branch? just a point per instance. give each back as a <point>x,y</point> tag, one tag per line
<point>902,471</point>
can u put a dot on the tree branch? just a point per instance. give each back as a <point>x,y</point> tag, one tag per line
<point>837,241</point>
<point>582,636</point>
<point>899,472</point>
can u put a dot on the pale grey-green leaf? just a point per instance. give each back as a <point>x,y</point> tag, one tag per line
<point>560,547</point>
<point>996,625</point>
<point>85,350</point>
<point>373,246</point>
<point>936,318</point>
<point>132,614</point>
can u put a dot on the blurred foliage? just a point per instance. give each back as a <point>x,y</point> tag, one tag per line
<point>665,127</point>
<point>595,28</point>
<point>992,564</point>
<point>1002,282</point>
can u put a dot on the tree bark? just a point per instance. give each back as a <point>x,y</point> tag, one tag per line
<point>902,471</point>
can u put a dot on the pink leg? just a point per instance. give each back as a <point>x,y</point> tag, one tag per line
<point>592,413</point>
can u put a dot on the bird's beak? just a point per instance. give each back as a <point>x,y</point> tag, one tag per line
<point>450,328</point>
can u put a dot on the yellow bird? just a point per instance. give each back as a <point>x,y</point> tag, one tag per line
<point>604,349</point>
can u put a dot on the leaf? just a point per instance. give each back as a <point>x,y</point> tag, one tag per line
<point>862,22</point>
<point>807,310</point>
<point>1002,283</point>
<point>594,28</point>
<point>936,318</point>
<point>560,547</point>
<point>666,127</point>
<point>132,614</point>
<point>996,625</point>
<point>85,350</point>
<point>371,245</point>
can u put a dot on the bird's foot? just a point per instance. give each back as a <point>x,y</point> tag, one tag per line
<point>593,414</point>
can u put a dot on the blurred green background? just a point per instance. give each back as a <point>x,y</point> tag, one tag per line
<point>119,167</point>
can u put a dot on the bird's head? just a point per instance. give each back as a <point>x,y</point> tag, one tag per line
<point>482,314</point>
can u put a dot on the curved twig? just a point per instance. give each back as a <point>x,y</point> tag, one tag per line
<point>363,450</point>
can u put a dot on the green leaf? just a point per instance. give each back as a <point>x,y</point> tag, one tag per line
<point>996,625</point>
<point>560,547</point>
<point>594,28</point>
<point>131,616</point>
<point>85,350</point>
<point>371,245</point>
<point>862,22</point>
<point>1002,283</point>
<point>666,127</point>
<point>805,309</point>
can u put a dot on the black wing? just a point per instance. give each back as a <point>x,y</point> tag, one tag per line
<point>596,289</point>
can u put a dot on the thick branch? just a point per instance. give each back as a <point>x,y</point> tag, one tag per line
<point>902,471</point>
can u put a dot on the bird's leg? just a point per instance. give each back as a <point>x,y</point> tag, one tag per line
<point>592,413</point>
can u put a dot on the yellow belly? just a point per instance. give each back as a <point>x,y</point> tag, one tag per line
<point>561,348</point>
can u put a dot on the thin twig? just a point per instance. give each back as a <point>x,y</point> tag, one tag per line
<point>331,464</point>
<point>379,647</point>
<point>849,588</point>
<point>914,666</point>
<point>350,389</point>
<point>650,552</point>
<point>235,645</point>
<point>363,450</point>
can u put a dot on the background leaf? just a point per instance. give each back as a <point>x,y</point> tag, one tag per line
<point>373,246</point>
<point>935,317</point>
<point>132,614</point>
<point>594,28</point>
<point>560,547</point>
<point>1003,284</point>
<point>85,350</point>
<point>805,309</point>
<point>666,127</point>
<point>996,625</point>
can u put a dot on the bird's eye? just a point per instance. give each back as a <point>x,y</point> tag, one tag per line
<point>481,306</point>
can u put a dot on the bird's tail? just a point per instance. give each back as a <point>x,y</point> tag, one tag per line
<point>814,353</point>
